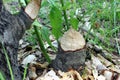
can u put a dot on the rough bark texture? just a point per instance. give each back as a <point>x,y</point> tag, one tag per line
<point>12,28</point>
<point>71,51</point>
<point>69,60</point>
<point>0,4</point>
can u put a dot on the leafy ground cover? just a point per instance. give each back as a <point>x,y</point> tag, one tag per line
<point>99,23</point>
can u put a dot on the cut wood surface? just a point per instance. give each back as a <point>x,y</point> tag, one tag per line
<point>32,8</point>
<point>71,51</point>
<point>12,28</point>
<point>72,41</point>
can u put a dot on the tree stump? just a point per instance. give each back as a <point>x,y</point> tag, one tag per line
<point>71,51</point>
<point>12,28</point>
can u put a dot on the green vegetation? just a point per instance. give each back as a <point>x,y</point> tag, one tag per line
<point>1,76</point>
<point>25,72</point>
<point>41,44</point>
<point>8,62</point>
<point>57,16</point>
<point>103,18</point>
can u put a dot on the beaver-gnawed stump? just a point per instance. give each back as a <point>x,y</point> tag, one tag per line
<point>71,51</point>
<point>12,28</point>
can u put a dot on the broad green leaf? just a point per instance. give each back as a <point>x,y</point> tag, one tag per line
<point>45,35</point>
<point>56,21</point>
<point>74,23</point>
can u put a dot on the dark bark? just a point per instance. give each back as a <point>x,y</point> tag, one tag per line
<point>65,61</point>
<point>1,4</point>
<point>12,28</point>
<point>71,52</point>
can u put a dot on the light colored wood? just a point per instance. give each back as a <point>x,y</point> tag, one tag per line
<point>72,41</point>
<point>32,8</point>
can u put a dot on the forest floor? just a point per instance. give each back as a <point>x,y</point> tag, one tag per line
<point>101,64</point>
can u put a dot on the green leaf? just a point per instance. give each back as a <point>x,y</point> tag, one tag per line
<point>67,6</point>
<point>74,23</point>
<point>45,35</point>
<point>23,3</point>
<point>56,21</point>
<point>36,23</point>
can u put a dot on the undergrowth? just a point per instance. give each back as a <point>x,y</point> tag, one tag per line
<point>57,16</point>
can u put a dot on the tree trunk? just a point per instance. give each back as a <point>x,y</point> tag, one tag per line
<point>12,28</point>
